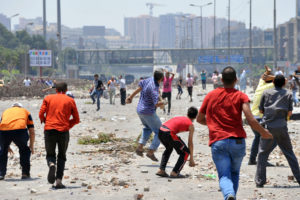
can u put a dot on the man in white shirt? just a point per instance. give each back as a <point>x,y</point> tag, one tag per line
<point>122,83</point>
<point>27,82</point>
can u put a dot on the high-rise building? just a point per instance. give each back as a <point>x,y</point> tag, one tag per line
<point>5,21</point>
<point>94,31</point>
<point>143,31</point>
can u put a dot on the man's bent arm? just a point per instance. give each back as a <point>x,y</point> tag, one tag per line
<point>201,119</point>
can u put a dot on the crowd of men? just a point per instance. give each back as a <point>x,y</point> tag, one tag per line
<point>221,111</point>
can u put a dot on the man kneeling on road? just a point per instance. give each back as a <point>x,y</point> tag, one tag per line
<point>15,123</point>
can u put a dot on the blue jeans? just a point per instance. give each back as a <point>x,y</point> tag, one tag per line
<point>295,99</point>
<point>98,93</point>
<point>227,155</point>
<point>151,124</point>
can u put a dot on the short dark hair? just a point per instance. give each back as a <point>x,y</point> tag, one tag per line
<point>61,87</point>
<point>158,75</point>
<point>96,75</point>
<point>192,112</point>
<point>228,75</point>
<point>279,81</point>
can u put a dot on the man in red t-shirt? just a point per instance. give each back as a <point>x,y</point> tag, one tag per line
<point>55,112</point>
<point>221,111</point>
<point>168,137</point>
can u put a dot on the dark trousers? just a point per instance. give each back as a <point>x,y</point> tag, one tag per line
<point>190,91</point>
<point>204,84</point>
<point>283,140</point>
<point>171,143</point>
<point>255,144</point>
<point>169,96</point>
<point>61,139</point>
<point>20,138</point>
<point>123,95</point>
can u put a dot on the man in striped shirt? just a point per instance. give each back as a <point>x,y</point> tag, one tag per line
<point>146,109</point>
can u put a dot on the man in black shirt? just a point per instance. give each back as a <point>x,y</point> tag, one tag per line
<point>97,90</point>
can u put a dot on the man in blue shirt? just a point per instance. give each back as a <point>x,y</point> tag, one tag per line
<point>203,79</point>
<point>146,109</point>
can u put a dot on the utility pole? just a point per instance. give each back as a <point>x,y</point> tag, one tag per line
<point>229,54</point>
<point>275,37</point>
<point>201,27</point>
<point>250,37</point>
<point>44,20</point>
<point>59,26</point>
<point>214,60</point>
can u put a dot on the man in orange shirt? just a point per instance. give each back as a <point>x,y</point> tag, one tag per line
<point>14,126</point>
<point>55,113</point>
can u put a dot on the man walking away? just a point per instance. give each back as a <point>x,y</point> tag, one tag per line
<point>276,105</point>
<point>55,112</point>
<point>297,77</point>
<point>112,90</point>
<point>189,84</point>
<point>146,109</point>
<point>222,111</point>
<point>294,88</point>
<point>97,90</point>
<point>203,79</point>
<point>167,89</point>
<point>122,83</point>
<point>179,87</point>
<point>14,127</point>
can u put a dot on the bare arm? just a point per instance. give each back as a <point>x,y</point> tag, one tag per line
<point>191,145</point>
<point>254,123</point>
<point>290,114</point>
<point>31,139</point>
<point>201,119</point>
<point>129,99</point>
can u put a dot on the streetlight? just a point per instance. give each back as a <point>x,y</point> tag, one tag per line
<point>201,27</point>
<point>15,15</point>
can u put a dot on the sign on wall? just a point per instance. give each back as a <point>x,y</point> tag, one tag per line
<point>40,58</point>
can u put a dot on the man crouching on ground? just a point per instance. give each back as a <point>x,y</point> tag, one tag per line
<point>14,127</point>
<point>58,109</point>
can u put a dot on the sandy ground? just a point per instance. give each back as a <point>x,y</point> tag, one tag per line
<point>120,174</point>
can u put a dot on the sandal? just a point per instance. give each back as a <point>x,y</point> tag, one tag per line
<point>162,175</point>
<point>152,157</point>
<point>178,176</point>
<point>139,153</point>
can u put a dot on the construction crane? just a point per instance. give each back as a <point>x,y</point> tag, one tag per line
<point>151,6</point>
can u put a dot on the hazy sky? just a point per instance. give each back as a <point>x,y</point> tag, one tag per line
<point>76,13</point>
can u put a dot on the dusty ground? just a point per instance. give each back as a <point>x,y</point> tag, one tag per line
<point>112,173</point>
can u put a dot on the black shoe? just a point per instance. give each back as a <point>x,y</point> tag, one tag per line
<point>230,197</point>
<point>259,185</point>
<point>98,109</point>
<point>25,176</point>
<point>59,186</point>
<point>51,174</point>
<point>270,165</point>
<point>1,178</point>
<point>252,162</point>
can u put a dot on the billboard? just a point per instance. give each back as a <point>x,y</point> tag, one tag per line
<point>40,58</point>
<point>220,59</point>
